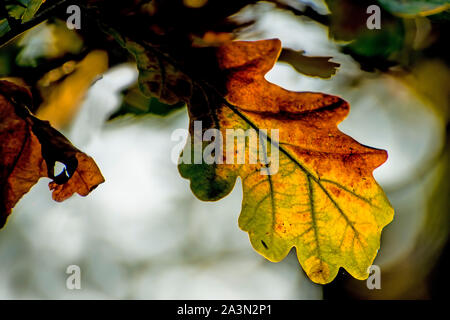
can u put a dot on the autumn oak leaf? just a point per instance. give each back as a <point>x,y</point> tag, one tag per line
<point>29,149</point>
<point>323,199</point>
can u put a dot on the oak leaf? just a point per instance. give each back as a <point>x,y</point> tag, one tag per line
<point>323,200</point>
<point>29,149</point>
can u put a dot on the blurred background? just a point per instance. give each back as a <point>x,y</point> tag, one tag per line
<point>143,235</point>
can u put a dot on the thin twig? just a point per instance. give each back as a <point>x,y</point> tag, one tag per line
<point>306,12</point>
<point>37,19</point>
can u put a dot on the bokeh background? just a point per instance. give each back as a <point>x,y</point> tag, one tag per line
<point>143,235</point>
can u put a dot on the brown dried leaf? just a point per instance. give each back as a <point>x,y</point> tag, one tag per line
<point>29,149</point>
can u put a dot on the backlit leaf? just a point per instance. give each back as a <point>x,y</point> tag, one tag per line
<point>24,10</point>
<point>29,150</point>
<point>323,199</point>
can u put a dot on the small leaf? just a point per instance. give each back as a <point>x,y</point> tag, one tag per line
<point>138,104</point>
<point>320,67</point>
<point>24,10</point>
<point>32,7</point>
<point>29,150</point>
<point>157,77</point>
<point>415,8</point>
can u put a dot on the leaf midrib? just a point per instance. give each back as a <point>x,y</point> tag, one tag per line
<point>305,171</point>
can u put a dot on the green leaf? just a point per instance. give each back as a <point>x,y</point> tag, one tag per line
<point>32,7</point>
<point>138,104</point>
<point>380,43</point>
<point>157,77</point>
<point>4,27</point>
<point>25,11</point>
<point>414,8</point>
<point>373,49</point>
